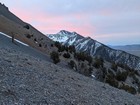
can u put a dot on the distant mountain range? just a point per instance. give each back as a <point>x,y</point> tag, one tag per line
<point>132,49</point>
<point>95,48</point>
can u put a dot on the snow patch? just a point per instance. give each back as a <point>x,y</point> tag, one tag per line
<point>138,66</point>
<point>21,42</point>
<point>72,41</point>
<point>58,37</point>
<point>86,48</point>
<point>93,76</point>
<point>84,43</point>
<point>5,35</point>
<point>97,45</point>
<point>118,53</point>
<point>91,51</point>
<point>15,39</point>
<point>62,36</point>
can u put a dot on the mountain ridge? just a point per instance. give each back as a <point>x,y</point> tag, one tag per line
<point>132,49</point>
<point>95,48</point>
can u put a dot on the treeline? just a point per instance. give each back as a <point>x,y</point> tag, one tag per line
<point>85,64</point>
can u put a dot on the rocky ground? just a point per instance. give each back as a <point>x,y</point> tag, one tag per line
<point>30,80</point>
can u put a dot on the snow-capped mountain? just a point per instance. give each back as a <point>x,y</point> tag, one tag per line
<point>62,36</point>
<point>96,48</point>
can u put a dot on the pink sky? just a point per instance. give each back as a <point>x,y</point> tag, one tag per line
<point>110,22</point>
<point>52,24</point>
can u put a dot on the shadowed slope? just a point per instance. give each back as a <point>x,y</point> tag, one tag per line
<point>29,80</point>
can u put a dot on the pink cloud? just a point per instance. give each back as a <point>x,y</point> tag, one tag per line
<point>48,23</point>
<point>100,20</point>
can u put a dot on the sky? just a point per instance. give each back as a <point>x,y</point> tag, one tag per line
<point>112,22</point>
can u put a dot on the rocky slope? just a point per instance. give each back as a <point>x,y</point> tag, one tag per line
<point>12,25</point>
<point>26,79</point>
<point>95,48</point>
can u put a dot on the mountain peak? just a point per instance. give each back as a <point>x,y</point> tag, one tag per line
<point>75,33</point>
<point>67,32</point>
<point>62,36</point>
<point>64,32</point>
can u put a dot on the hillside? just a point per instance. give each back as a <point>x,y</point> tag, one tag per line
<point>26,79</point>
<point>13,26</point>
<point>94,59</point>
<point>95,48</point>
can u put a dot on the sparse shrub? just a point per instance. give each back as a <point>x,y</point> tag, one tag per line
<point>120,65</point>
<point>86,72</point>
<point>90,69</point>
<point>114,67</point>
<point>57,44</point>
<point>136,80</point>
<point>127,67</point>
<point>104,71</point>
<point>66,48</point>
<point>28,36</point>
<point>137,72</point>
<point>13,38</point>
<point>122,76</point>
<point>89,59</point>
<point>129,89</point>
<point>82,65</point>
<point>35,39</point>
<point>111,81</point>
<point>111,73</point>
<point>55,57</point>
<point>98,63</point>
<point>41,39</point>
<point>131,74</point>
<point>84,69</point>
<point>66,55</point>
<point>32,35</point>
<point>138,89</point>
<point>51,45</point>
<point>72,49</point>
<point>72,64</point>
<point>40,45</point>
<point>81,56</point>
<point>60,47</point>
<point>26,26</point>
<point>124,66</point>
